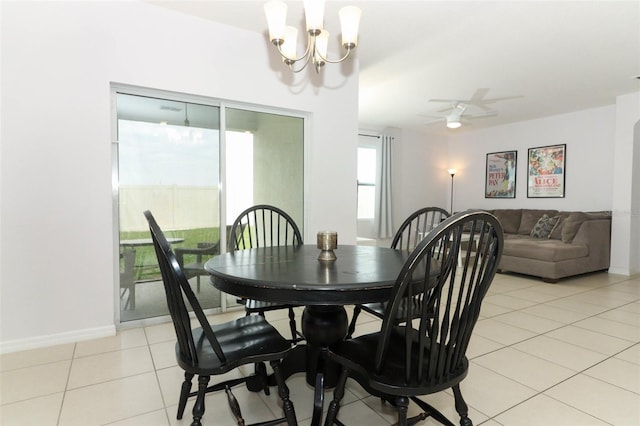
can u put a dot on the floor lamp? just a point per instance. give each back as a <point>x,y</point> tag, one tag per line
<point>452,172</point>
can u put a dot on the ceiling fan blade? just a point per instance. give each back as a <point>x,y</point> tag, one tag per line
<point>479,96</point>
<point>482,114</point>
<point>451,101</point>
<point>486,102</point>
<point>435,121</point>
<point>446,109</point>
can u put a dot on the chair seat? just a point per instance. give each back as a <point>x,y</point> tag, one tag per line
<point>194,269</point>
<point>262,343</point>
<point>358,355</point>
<point>377,309</point>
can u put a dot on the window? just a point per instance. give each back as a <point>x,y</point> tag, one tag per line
<point>366,182</point>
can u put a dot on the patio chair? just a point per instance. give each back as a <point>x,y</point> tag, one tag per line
<point>411,232</point>
<point>216,349</point>
<point>199,255</point>
<point>127,278</point>
<point>426,354</point>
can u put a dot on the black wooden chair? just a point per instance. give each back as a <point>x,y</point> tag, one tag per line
<point>426,354</point>
<point>411,232</point>
<point>265,226</point>
<point>211,350</point>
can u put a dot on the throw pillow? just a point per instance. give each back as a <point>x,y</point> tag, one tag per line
<point>530,218</point>
<point>543,227</point>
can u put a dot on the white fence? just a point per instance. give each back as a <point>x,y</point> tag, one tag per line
<point>174,207</point>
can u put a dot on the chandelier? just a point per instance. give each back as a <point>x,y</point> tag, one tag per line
<point>285,37</point>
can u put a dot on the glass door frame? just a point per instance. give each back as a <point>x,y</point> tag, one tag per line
<point>116,88</point>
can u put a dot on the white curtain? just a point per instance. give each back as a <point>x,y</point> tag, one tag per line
<point>382,219</point>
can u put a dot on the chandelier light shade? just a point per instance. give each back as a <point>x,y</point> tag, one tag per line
<point>285,37</point>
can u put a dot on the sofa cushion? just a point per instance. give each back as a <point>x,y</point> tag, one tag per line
<point>509,219</point>
<point>530,217</point>
<point>556,232</point>
<point>545,250</point>
<point>571,226</point>
<point>544,226</point>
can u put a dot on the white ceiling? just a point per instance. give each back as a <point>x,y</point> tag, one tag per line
<point>548,57</point>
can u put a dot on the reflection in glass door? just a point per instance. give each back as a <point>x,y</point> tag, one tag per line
<point>168,163</point>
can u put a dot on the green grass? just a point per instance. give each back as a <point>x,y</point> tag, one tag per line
<point>146,263</point>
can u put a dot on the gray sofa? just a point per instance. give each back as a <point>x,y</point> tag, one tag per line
<point>563,243</point>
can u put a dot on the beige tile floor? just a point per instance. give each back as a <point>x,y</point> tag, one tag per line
<point>541,354</point>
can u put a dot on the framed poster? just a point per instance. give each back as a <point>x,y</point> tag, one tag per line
<point>500,177</point>
<point>546,172</point>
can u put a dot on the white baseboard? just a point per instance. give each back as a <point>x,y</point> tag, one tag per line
<point>620,271</point>
<point>56,339</point>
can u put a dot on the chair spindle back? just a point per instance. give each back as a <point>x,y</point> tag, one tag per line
<point>177,289</point>
<point>436,342</point>
<point>263,226</point>
<point>417,226</point>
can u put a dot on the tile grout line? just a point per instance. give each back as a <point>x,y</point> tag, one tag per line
<point>66,384</point>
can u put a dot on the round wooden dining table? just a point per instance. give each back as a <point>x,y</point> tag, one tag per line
<point>294,275</point>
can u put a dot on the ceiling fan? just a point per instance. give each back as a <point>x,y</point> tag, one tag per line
<point>458,113</point>
<point>459,109</point>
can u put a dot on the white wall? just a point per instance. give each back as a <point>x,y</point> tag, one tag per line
<point>589,136</point>
<point>420,176</point>
<point>58,59</point>
<point>625,253</point>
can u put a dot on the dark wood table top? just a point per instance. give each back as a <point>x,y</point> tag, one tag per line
<point>361,274</point>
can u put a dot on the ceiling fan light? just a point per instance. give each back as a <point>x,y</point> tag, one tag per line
<point>453,122</point>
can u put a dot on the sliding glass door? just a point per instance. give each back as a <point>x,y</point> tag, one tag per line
<point>168,163</point>
<point>194,173</point>
<point>264,163</point>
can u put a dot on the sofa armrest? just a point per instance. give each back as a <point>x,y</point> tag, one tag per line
<point>596,235</point>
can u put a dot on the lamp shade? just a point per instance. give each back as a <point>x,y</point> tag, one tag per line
<point>314,14</point>
<point>322,43</point>
<point>290,45</point>
<point>350,22</point>
<point>276,12</point>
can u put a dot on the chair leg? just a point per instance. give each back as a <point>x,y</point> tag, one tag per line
<point>235,407</point>
<point>429,411</point>
<point>402,404</point>
<point>132,296</point>
<point>261,371</point>
<point>184,394</point>
<point>283,391</point>
<point>338,394</point>
<point>292,325</point>
<point>352,325</point>
<point>198,407</point>
<point>461,407</point>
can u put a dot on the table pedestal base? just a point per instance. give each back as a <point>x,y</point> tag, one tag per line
<point>323,326</point>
